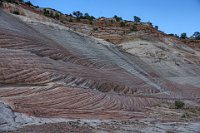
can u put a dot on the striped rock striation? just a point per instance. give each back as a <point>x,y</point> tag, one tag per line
<point>50,71</point>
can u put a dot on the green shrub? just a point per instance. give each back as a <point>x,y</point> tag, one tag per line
<point>91,23</point>
<point>118,19</point>
<point>183,36</point>
<point>196,35</point>
<point>134,28</point>
<point>16,12</point>
<point>87,16</point>
<point>50,14</point>
<point>57,16</point>
<point>156,27</point>
<point>28,3</point>
<point>137,19</point>
<point>78,14</point>
<point>95,29</point>
<point>122,24</point>
<point>179,104</point>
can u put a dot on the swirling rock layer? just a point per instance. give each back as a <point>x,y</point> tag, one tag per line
<point>49,71</point>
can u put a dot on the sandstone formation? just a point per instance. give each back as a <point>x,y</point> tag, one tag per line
<point>47,70</point>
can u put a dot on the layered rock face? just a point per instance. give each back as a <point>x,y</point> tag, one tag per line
<point>94,75</point>
<point>47,70</point>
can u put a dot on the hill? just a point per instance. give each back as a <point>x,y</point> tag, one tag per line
<point>51,72</point>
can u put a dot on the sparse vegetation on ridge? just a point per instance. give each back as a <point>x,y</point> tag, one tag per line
<point>28,3</point>
<point>137,19</point>
<point>183,36</point>
<point>116,21</point>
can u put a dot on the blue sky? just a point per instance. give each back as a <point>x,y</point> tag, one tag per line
<point>171,16</point>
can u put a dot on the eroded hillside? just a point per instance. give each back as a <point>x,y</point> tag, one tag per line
<point>47,70</point>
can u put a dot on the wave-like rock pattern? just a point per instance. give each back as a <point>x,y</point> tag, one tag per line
<point>74,103</point>
<point>51,72</point>
<point>21,67</point>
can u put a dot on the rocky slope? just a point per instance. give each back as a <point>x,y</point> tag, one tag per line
<point>47,70</point>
